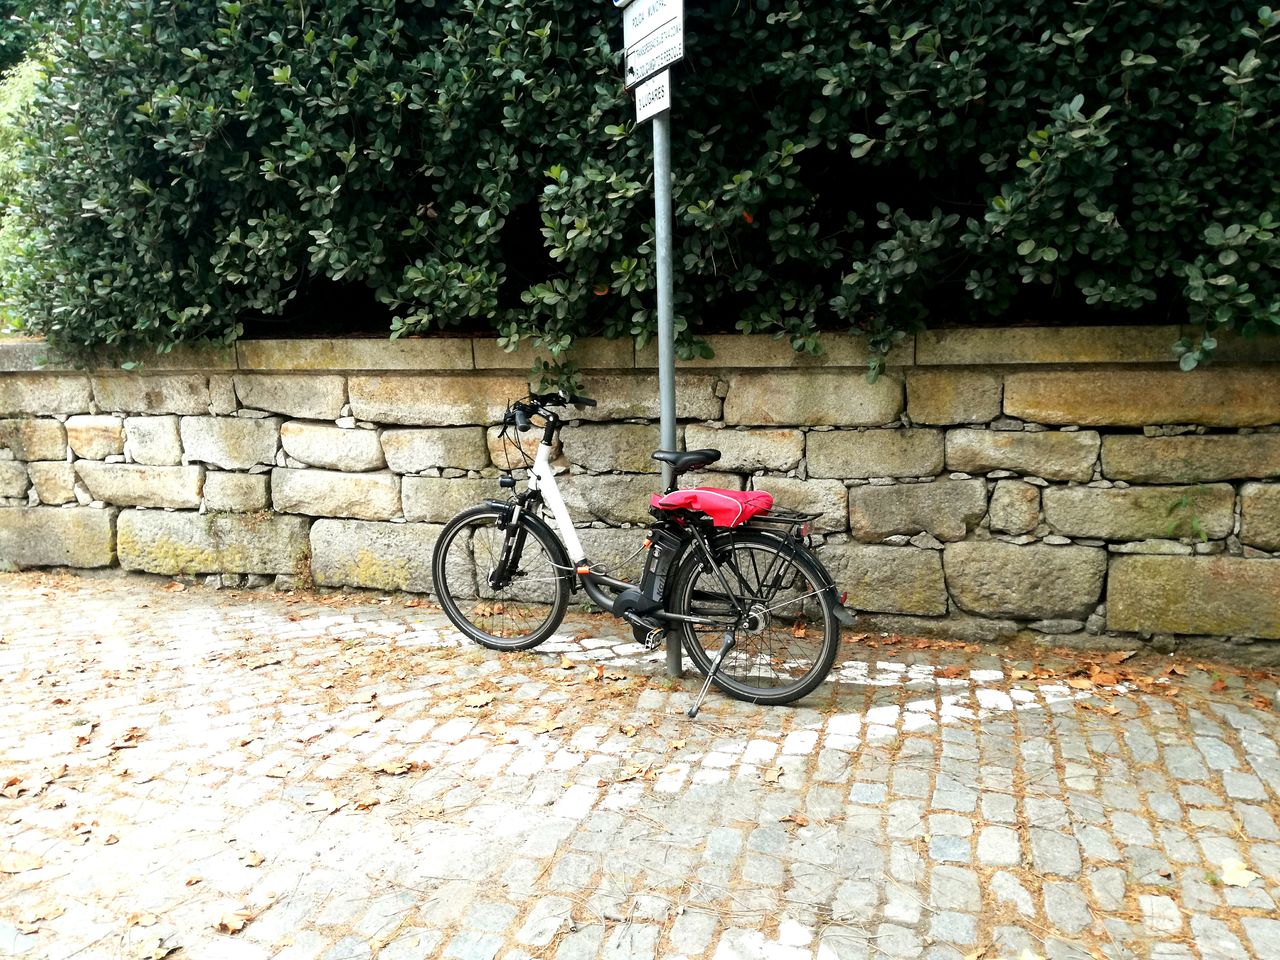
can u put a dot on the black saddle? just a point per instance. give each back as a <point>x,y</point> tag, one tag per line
<point>684,460</point>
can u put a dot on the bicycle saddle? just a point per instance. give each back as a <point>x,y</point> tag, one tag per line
<point>682,461</point>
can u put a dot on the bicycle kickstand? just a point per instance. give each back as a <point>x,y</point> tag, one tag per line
<point>715,665</point>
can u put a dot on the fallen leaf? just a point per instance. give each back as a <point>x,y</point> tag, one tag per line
<point>142,920</point>
<point>772,774</point>
<point>627,730</point>
<point>1236,874</point>
<point>111,840</point>
<point>1261,703</point>
<point>1119,656</point>
<point>174,587</point>
<point>154,948</point>
<point>235,922</point>
<point>799,819</point>
<point>566,663</point>
<point>253,859</point>
<point>192,881</point>
<point>798,629</point>
<point>1080,683</point>
<point>976,954</point>
<point>1218,685</point>
<point>677,744</point>
<point>368,801</point>
<point>632,772</point>
<point>953,672</point>
<point>546,726</point>
<point>326,803</point>
<point>17,861</point>
<point>394,767</point>
<point>1177,670</point>
<point>477,700</point>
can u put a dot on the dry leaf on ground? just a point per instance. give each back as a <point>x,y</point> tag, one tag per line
<point>1236,874</point>
<point>772,774</point>
<point>326,803</point>
<point>235,922</point>
<point>477,700</point>
<point>566,663</point>
<point>18,861</point>
<point>253,859</point>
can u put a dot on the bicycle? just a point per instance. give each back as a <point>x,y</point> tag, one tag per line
<point>756,611</point>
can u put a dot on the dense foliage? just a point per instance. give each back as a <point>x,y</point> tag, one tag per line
<point>198,165</point>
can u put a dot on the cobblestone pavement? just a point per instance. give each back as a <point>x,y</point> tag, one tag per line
<point>229,776</point>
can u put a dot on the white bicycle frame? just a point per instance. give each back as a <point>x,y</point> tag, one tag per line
<point>542,478</point>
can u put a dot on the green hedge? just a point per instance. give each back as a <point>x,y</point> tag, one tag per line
<point>840,165</point>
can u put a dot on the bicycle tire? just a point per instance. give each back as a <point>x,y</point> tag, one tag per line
<point>517,615</point>
<point>782,661</point>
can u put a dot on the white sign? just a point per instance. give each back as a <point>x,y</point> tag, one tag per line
<point>655,52</point>
<point>645,16</point>
<point>653,96</point>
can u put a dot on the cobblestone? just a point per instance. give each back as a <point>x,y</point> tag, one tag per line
<point>352,781</point>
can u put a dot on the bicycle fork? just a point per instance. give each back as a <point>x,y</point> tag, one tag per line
<point>711,674</point>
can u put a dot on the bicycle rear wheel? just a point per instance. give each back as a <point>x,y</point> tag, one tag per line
<point>787,640</point>
<point>514,611</point>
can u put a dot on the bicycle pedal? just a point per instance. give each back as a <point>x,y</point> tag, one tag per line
<point>654,638</point>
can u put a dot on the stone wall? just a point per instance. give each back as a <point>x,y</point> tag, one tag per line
<point>1067,483</point>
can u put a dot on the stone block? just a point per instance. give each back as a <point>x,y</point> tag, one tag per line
<point>734,350</point>
<point>601,447</point>
<point>888,579</point>
<point>54,480</point>
<point>137,485</point>
<point>947,509</point>
<point>192,543</point>
<point>332,448</point>
<point>587,353</point>
<point>380,556</point>
<point>154,441</point>
<point>1260,515</point>
<point>54,537</point>
<point>953,396</point>
<point>328,493</point>
<point>232,443</point>
<point>1217,596</point>
<point>236,492</point>
<point>614,500</point>
<point>138,393</point>
<point>1051,455</point>
<point>434,400</point>
<point>95,437</point>
<point>31,439</point>
<point>1034,582</point>
<point>430,448</point>
<point>1046,345</point>
<point>13,479</point>
<point>435,353</point>
<point>437,499</point>
<point>313,397</point>
<point>1015,507</point>
<point>222,396</point>
<point>828,498</point>
<point>504,447</point>
<point>746,450</point>
<point>632,396</point>
<point>812,397</point>
<point>1140,513</point>
<point>1218,396</point>
<point>615,550</point>
<point>43,393</point>
<point>1191,459</point>
<point>859,454</point>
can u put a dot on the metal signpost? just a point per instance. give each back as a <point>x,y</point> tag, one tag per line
<point>653,34</point>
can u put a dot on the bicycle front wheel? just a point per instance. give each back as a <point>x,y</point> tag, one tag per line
<point>782,617</point>
<point>504,604</point>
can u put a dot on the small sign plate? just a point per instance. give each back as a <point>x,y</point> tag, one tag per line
<point>655,52</point>
<point>653,96</point>
<point>645,16</point>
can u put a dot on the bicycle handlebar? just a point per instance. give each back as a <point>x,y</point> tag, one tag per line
<point>522,420</point>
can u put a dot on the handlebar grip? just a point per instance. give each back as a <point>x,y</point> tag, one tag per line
<point>581,401</point>
<point>522,420</point>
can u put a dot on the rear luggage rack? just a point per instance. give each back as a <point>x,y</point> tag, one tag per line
<point>790,519</point>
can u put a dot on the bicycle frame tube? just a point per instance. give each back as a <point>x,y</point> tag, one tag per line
<point>543,479</point>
